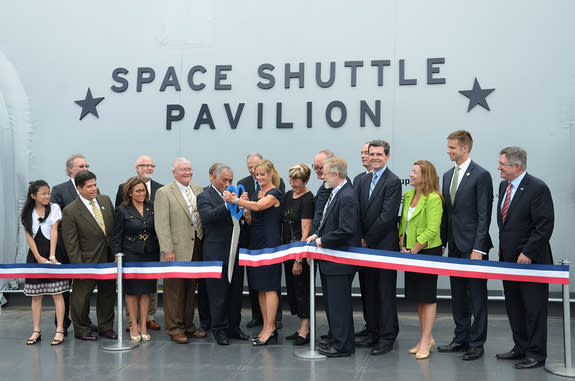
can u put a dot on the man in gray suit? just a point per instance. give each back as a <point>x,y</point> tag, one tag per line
<point>468,193</point>
<point>180,232</point>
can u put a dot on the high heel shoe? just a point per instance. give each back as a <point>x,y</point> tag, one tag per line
<point>138,337</point>
<point>423,355</point>
<point>145,337</point>
<point>56,341</point>
<point>413,350</point>
<point>33,340</point>
<point>272,339</point>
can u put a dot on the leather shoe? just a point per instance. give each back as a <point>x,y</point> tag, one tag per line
<point>222,340</point>
<point>88,337</point>
<point>180,339</point>
<point>152,324</point>
<point>511,355</point>
<point>453,347</point>
<point>367,342</point>
<point>198,334</point>
<point>473,353</point>
<point>239,334</point>
<point>528,363</point>
<point>332,352</point>
<point>324,343</point>
<point>254,323</point>
<point>109,334</point>
<point>381,349</point>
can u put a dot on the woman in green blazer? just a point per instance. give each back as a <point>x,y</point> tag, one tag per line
<point>419,233</point>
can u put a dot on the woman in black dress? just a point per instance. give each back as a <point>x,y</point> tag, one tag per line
<point>40,219</point>
<point>265,226</point>
<point>297,219</point>
<point>135,237</point>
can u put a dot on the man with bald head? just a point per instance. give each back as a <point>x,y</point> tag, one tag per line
<point>145,170</point>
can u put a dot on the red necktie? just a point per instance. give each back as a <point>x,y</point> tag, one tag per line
<point>506,203</point>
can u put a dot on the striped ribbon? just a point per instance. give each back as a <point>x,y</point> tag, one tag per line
<point>131,270</point>
<point>420,263</point>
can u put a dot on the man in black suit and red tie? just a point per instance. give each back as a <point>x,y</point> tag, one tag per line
<point>525,217</point>
<point>468,193</point>
<point>379,195</point>
<point>338,229</point>
<point>224,297</point>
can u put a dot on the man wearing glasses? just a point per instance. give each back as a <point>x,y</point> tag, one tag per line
<point>145,170</point>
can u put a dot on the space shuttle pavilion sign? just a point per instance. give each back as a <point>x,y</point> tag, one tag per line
<point>324,75</point>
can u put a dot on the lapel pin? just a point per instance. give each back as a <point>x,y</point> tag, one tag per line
<point>467,174</point>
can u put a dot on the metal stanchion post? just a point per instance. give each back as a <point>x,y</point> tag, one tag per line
<point>310,353</point>
<point>119,345</point>
<point>565,369</point>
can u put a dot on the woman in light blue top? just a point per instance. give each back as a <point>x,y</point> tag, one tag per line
<point>419,233</point>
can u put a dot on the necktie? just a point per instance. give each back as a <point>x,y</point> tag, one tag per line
<point>325,208</point>
<point>99,216</point>
<point>195,215</point>
<point>373,182</point>
<point>454,184</point>
<point>505,208</point>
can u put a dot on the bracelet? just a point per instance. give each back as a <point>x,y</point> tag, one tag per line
<point>298,261</point>
<point>237,201</point>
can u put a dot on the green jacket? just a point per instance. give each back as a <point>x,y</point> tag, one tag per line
<point>425,222</point>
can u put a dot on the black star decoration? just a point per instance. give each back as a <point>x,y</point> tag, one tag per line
<point>477,96</point>
<point>89,104</point>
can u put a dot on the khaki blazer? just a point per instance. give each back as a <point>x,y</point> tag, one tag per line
<point>83,238</point>
<point>173,222</point>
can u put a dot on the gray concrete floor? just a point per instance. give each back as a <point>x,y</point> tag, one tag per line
<point>203,359</point>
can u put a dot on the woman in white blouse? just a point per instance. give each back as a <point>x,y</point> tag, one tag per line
<point>40,219</point>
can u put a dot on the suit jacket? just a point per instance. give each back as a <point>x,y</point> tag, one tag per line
<point>154,186</point>
<point>129,224</point>
<point>83,238</point>
<point>425,223</point>
<point>64,193</point>
<point>173,222</point>
<point>529,222</point>
<point>466,221</point>
<point>378,214</point>
<point>218,226</point>
<point>340,228</point>
<point>357,178</point>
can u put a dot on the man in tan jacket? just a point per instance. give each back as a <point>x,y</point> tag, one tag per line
<point>179,230</point>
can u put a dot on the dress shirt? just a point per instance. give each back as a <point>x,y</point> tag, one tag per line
<point>462,169</point>
<point>514,185</point>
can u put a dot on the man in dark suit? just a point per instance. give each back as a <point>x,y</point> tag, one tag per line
<point>251,186</point>
<point>323,192</point>
<point>225,298</point>
<point>87,225</point>
<point>145,170</point>
<point>379,195</point>
<point>63,194</point>
<point>468,193</point>
<point>525,217</point>
<point>364,162</point>
<point>338,229</point>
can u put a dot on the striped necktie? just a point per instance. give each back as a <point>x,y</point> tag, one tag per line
<point>99,216</point>
<point>195,215</point>
<point>505,208</point>
<point>373,183</point>
<point>325,208</point>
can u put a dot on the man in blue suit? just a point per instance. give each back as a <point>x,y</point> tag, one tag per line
<point>468,193</point>
<point>525,217</point>
<point>379,195</point>
<point>225,298</point>
<point>338,229</point>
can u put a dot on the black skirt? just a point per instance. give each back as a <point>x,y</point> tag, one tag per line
<point>422,288</point>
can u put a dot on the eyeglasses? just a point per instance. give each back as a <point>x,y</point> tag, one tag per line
<point>505,164</point>
<point>86,166</point>
<point>316,168</point>
<point>146,165</point>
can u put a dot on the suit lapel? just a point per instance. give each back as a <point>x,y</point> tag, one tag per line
<point>517,196</point>
<point>331,206</point>
<point>88,216</point>
<point>378,186</point>
<point>177,194</point>
<point>464,180</point>
<point>419,206</point>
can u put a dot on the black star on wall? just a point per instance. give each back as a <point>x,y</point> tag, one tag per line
<point>89,104</point>
<point>477,96</point>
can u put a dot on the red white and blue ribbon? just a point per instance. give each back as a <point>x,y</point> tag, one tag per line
<point>131,270</point>
<point>420,263</point>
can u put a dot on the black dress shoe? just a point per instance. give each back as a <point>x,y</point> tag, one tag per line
<point>299,341</point>
<point>362,333</point>
<point>239,334</point>
<point>332,352</point>
<point>453,347</point>
<point>293,336</point>
<point>254,323</point>
<point>381,349</point>
<point>325,343</point>
<point>222,340</point>
<point>473,353</point>
<point>528,363</point>
<point>511,355</point>
<point>88,337</point>
<point>367,342</point>
<point>109,334</point>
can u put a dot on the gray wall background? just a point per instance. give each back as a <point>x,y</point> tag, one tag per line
<point>52,52</point>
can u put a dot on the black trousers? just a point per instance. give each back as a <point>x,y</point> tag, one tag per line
<point>337,295</point>
<point>225,300</point>
<point>381,304</point>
